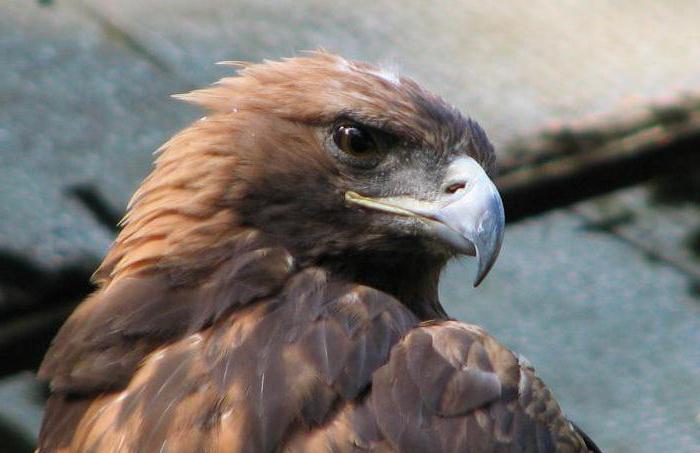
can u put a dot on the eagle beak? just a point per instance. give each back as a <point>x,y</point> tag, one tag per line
<point>475,212</point>
<point>468,214</point>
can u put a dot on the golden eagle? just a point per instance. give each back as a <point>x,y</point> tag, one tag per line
<point>274,284</point>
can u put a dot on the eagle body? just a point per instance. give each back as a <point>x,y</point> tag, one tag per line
<point>274,284</point>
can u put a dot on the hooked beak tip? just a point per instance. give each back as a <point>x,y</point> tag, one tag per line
<point>487,242</point>
<point>486,256</point>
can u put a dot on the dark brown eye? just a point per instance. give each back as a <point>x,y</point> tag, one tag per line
<point>354,140</point>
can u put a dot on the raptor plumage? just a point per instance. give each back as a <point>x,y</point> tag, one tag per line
<point>264,294</point>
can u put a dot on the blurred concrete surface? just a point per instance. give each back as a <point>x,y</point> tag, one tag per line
<point>22,403</point>
<point>600,296</point>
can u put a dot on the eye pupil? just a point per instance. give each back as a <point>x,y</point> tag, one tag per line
<point>353,140</point>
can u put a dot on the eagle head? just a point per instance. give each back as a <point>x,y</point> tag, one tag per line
<point>346,165</point>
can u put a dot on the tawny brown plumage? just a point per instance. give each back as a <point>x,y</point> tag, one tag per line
<point>245,307</point>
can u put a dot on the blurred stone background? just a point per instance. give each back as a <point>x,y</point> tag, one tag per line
<point>594,107</point>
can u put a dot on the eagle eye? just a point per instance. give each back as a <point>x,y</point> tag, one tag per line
<point>354,140</point>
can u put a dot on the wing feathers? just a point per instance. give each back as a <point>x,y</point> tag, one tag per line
<point>469,398</point>
<point>106,338</point>
<point>322,365</point>
<point>285,363</point>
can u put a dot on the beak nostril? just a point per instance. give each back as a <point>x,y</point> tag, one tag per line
<point>452,188</point>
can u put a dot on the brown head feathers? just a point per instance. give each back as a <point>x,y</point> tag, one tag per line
<point>260,124</point>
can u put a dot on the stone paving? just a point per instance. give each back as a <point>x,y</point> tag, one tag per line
<point>613,328</point>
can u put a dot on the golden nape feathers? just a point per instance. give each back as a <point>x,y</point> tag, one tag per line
<point>274,284</point>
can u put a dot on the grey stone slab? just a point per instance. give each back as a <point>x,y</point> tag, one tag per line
<point>614,333</point>
<point>514,65</point>
<point>79,107</point>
